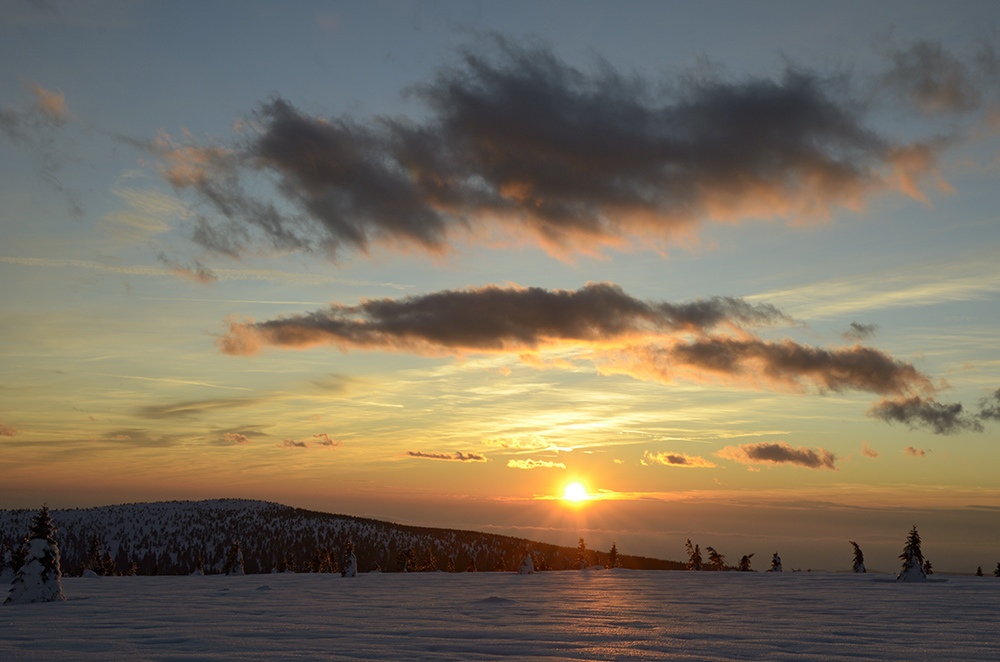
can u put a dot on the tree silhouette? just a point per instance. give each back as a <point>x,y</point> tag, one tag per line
<point>613,560</point>
<point>745,563</point>
<point>913,559</point>
<point>694,556</point>
<point>718,561</point>
<point>775,563</point>
<point>859,558</point>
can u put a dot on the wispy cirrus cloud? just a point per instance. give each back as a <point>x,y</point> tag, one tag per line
<point>520,144</point>
<point>458,457</point>
<point>534,464</point>
<point>675,460</point>
<point>779,453</point>
<point>25,125</point>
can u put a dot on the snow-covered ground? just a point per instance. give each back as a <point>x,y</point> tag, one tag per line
<point>585,615</point>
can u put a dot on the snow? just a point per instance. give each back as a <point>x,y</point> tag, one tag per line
<point>527,566</point>
<point>613,615</point>
<point>38,579</point>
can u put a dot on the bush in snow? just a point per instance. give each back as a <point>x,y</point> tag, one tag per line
<point>859,558</point>
<point>38,579</point>
<point>694,556</point>
<point>527,566</point>
<point>913,560</point>
<point>234,561</point>
<point>350,567</point>
<point>775,563</point>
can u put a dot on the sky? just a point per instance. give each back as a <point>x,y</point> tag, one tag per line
<point>730,266</point>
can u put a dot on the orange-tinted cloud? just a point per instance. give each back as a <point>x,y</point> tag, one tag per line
<point>780,453</point>
<point>236,438</point>
<point>518,145</point>
<point>326,441</point>
<point>915,452</point>
<point>459,457</point>
<point>50,104</point>
<point>534,464</point>
<point>291,443</point>
<point>868,451</point>
<point>7,431</point>
<point>675,460</point>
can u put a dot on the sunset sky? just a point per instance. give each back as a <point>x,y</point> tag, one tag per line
<point>732,266</point>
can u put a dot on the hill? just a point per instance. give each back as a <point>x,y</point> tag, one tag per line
<point>170,537</point>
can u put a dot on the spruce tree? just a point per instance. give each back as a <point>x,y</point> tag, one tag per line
<point>580,562</point>
<point>913,559</point>
<point>979,571</point>
<point>996,573</point>
<point>859,558</point>
<point>694,556</point>
<point>613,560</point>
<point>718,561</point>
<point>6,564</point>
<point>775,563</point>
<point>745,563</point>
<point>350,565</point>
<point>928,568</point>
<point>94,560</point>
<point>39,577</point>
<point>234,560</point>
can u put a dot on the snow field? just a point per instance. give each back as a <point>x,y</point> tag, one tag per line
<point>610,615</point>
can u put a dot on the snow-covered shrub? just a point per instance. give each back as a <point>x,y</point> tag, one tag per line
<point>913,560</point>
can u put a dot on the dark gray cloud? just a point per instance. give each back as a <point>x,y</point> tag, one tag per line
<point>291,443</point>
<point>517,140</point>
<point>859,331</point>
<point>936,81</point>
<point>494,318</point>
<point>459,457</point>
<point>780,453</point>
<point>989,407</point>
<point>918,412</point>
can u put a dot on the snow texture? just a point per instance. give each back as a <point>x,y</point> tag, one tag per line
<point>527,567</point>
<point>38,579</point>
<point>552,616</point>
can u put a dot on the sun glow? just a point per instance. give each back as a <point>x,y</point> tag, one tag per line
<point>575,492</point>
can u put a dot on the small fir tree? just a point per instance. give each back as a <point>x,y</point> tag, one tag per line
<point>716,560</point>
<point>979,571</point>
<point>199,567</point>
<point>234,560</point>
<point>527,566</point>
<point>429,563</point>
<point>928,568</point>
<point>613,560</point>
<point>775,563</point>
<point>405,561</point>
<point>859,558</point>
<point>108,566</point>
<point>996,573</point>
<point>39,577</point>
<point>500,565</point>
<point>745,563</point>
<point>94,560</point>
<point>694,556</point>
<point>472,566</point>
<point>580,562</point>
<point>913,559</point>
<point>350,566</point>
<point>449,565</point>
<point>133,569</point>
<point>6,564</point>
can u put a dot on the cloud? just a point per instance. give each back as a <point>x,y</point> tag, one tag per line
<point>783,365</point>
<point>868,451</point>
<point>326,441</point>
<point>858,332</point>
<point>7,431</point>
<point>989,406</point>
<point>935,80</point>
<point>519,443</point>
<point>916,412</point>
<point>779,453</point>
<point>493,318</point>
<point>197,273</point>
<point>236,438</point>
<point>291,443</point>
<point>460,457</point>
<point>193,408</point>
<point>535,464</point>
<point>518,145</point>
<point>915,452</point>
<point>675,460</point>
<point>36,121</point>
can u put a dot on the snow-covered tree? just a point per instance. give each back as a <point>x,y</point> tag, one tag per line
<point>694,556</point>
<point>859,558</point>
<point>745,563</point>
<point>913,560</point>
<point>39,578</point>
<point>996,573</point>
<point>234,560</point>
<point>979,571</point>
<point>350,566</point>
<point>717,561</point>
<point>7,569</point>
<point>199,567</point>
<point>404,560</point>
<point>775,563</point>
<point>527,566</point>
<point>613,560</point>
<point>580,561</point>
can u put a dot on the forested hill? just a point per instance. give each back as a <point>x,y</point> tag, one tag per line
<point>170,537</point>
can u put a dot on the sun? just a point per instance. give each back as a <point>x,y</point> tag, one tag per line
<point>575,492</point>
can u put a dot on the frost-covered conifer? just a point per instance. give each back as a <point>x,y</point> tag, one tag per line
<point>234,560</point>
<point>199,567</point>
<point>527,566</point>
<point>350,567</point>
<point>39,578</point>
<point>775,563</point>
<point>859,558</point>
<point>717,560</point>
<point>613,560</point>
<point>694,556</point>
<point>913,560</point>
<point>745,563</point>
